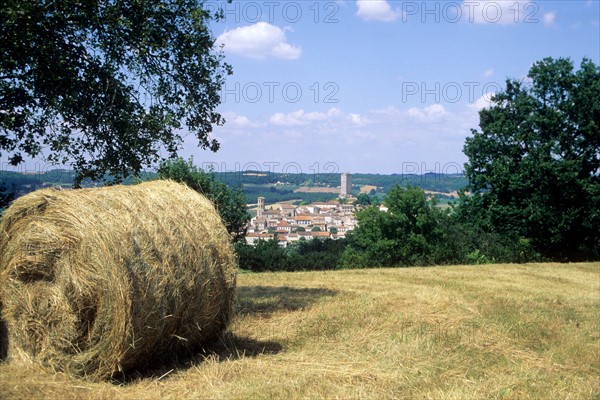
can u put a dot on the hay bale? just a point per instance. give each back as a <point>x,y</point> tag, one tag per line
<point>96,281</point>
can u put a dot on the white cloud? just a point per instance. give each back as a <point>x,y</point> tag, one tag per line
<point>300,117</point>
<point>429,113</point>
<point>549,18</point>
<point>376,10</point>
<point>260,40</point>
<point>484,101</point>
<point>488,73</point>
<point>238,121</point>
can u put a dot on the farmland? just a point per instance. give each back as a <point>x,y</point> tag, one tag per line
<point>498,331</point>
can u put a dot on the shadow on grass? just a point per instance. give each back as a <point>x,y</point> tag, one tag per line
<point>228,347</point>
<point>270,299</point>
<point>251,300</point>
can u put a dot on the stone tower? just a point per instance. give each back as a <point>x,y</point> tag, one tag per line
<point>346,185</point>
<point>261,207</point>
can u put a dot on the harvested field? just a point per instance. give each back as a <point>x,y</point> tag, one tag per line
<point>459,332</point>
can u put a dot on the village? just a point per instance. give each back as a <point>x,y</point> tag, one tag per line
<point>290,223</point>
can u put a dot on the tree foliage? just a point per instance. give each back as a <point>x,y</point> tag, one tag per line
<point>106,85</point>
<point>229,202</point>
<point>534,164</point>
<point>267,255</point>
<point>404,235</point>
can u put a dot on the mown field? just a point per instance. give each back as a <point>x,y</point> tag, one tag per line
<point>461,332</point>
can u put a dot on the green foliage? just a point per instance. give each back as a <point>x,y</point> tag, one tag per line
<point>6,196</point>
<point>405,235</point>
<point>265,255</point>
<point>534,166</point>
<point>307,255</point>
<point>230,203</point>
<point>315,254</point>
<point>363,199</point>
<point>106,85</point>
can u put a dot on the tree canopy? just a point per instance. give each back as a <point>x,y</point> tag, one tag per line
<point>534,164</point>
<point>106,86</point>
<point>402,236</point>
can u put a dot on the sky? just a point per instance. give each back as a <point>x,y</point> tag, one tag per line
<point>375,86</point>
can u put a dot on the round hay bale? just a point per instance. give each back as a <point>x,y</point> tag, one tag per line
<point>98,281</point>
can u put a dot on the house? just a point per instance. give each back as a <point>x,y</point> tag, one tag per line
<point>252,238</point>
<point>288,210</point>
<point>284,226</point>
<point>303,220</point>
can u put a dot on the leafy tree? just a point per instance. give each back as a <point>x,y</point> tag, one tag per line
<point>265,255</point>
<point>534,165</point>
<point>363,199</point>
<point>315,229</point>
<point>315,254</point>
<point>107,85</point>
<point>333,230</point>
<point>6,196</point>
<point>405,235</point>
<point>230,203</point>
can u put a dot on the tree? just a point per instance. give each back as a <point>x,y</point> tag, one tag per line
<point>6,196</point>
<point>107,85</point>
<point>405,235</point>
<point>265,255</point>
<point>363,199</point>
<point>534,164</point>
<point>230,203</point>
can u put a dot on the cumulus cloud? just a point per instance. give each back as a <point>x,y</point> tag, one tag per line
<point>238,121</point>
<point>260,40</point>
<point>428,113</point>
<point>300,117</point>
<point>376,10</point>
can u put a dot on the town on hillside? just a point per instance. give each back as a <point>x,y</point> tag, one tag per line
<point>291,223</point>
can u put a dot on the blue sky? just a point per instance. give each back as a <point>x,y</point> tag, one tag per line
<point>374,86</point>
<point>377,86</point>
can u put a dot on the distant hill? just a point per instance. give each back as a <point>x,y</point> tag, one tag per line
<point>275,187</point>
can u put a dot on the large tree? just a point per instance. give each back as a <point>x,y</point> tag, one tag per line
<point>534,163</point>
<point>407,234</point>
<point>107,86</point>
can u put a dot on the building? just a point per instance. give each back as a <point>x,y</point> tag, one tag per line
<point>346,185</point>
<point>261,207</point>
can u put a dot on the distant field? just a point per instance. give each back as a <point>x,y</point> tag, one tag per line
<point>317,189</point>
<point>460,332</point>
<point>367,188</point>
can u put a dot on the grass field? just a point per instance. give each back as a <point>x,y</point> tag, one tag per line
<point>461,332</point>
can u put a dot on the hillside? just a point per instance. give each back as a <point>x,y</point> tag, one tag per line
<point>275,187</point>
<point>461,332</point>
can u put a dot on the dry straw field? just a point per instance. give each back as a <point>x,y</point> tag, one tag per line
<point>461,332</point>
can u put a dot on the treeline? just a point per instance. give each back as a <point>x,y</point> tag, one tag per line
<point>274,194</point>
<point>267,255</point>
<point>252,183</point>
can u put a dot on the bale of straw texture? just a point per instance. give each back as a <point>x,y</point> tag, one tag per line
<point>98,281</point>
